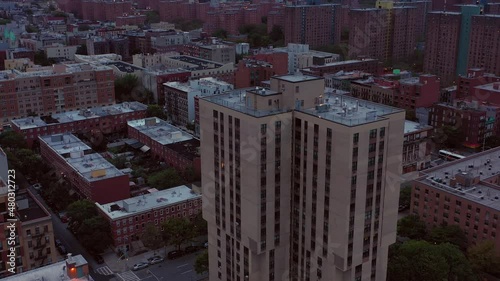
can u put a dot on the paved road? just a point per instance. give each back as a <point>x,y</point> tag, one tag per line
<point>179,270</point>
<point>68,239</point>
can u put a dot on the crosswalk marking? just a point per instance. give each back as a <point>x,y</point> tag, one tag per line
<point>128,276</point>
<point>105,270</point>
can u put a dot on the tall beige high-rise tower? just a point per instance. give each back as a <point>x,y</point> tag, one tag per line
<point>298,184</point>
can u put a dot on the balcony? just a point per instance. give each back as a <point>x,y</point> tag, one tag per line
<point>36,235</point>
<point>41,257</point>
<point>40,245</point>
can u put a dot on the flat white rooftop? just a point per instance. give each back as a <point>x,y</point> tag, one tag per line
<point>483,165</point>
<point>79,115</point>
<point>146,203</point>
<point>55,271</point>
<point>296,77</point>
<point>93,167</point>
<point>159,130</point>
<point>411,126</point>
<point>349,111</point>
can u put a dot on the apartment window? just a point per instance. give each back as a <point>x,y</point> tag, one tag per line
<point>382,132</point>
<point>356,138</point>
<point>373,133</point>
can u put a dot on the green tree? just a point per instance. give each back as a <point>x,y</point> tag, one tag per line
<point>177,231</point>
<point>201,263</point>
<point>164,179</point>
<point>448,234</point>
<point>152,17</point>
<point>221,33</point>
<point>276,35</point>
<point>79,211</point>
<point>405,196</point>
<point>155,110</point>
<point>12,140</point>
<point>27,160</point>
<point>453,136</point>
<point>412,227</point>
<point>56,195</point>
<point>95,234</point>
<point>41,59</point>
<point>200,225</point>
<point>484,259</point>
<point>151,237</point>
<point>124,86</point>
<point>119,161</point>
<point>422,261</point>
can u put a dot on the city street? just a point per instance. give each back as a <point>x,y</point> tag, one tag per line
<point>62,233</point>
<point>179,270</point>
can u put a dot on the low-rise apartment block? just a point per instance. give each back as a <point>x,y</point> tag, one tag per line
<point>476,121</point>
<point>409,93</point>
<point>176,148</point>
<point>366,65</point>
<point>416,147</point>
<point>128,218</point>
<point>463,192</point>
<point>34,241</point>
<point>61,88</point>
<point>89,173</point>
<point>180,97</point>
<point>106,119</point>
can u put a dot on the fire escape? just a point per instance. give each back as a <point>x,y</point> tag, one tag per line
<point>39,244</point>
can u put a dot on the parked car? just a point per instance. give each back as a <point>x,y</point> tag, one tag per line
<point>155,260</point>
<point>37,186</point>
<point>62,250</point>
<point>175,254</point>
<point>191,249</point>
<point>139,266</point>
<point>205,245</point>
<point>57,242</point>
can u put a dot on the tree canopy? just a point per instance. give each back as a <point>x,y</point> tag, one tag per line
<point>151,237</point>
<point>13,140</point>
<point>79,211</point>
<point>448,234</point>
<point>423,261</point>
<point>164,179</point>
<point>155,110</point>
<point>201,263</point>
<point>405,196</point>
<point>92,228</point>
<point>412,227</point>
<point>177,231</point>
<point>484,259</point>
<point>124,86</point>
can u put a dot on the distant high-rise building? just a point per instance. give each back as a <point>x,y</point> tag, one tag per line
<point>315,25</point>
<point>441,48</point>
<point>297,185</point>
<point>386,32</point>
<point>454,36</point>
<point>484,48</point>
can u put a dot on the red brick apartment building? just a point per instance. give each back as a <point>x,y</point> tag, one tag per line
<point>176,148</point>
<point>96,10</point>
<point>253,70</point>
<point>484,48</point>
<point>441,49</point>
<point>365,65</point>
<point>408,93</point>
<point>64,87</point>
<point>315,25</point>
<point>466,85</point>
<point>475,120</point>
<point>463,192</point>
<point>383,33</point>
<point>128,218</point>
<point>107,119</point>
<point>89,173</point>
